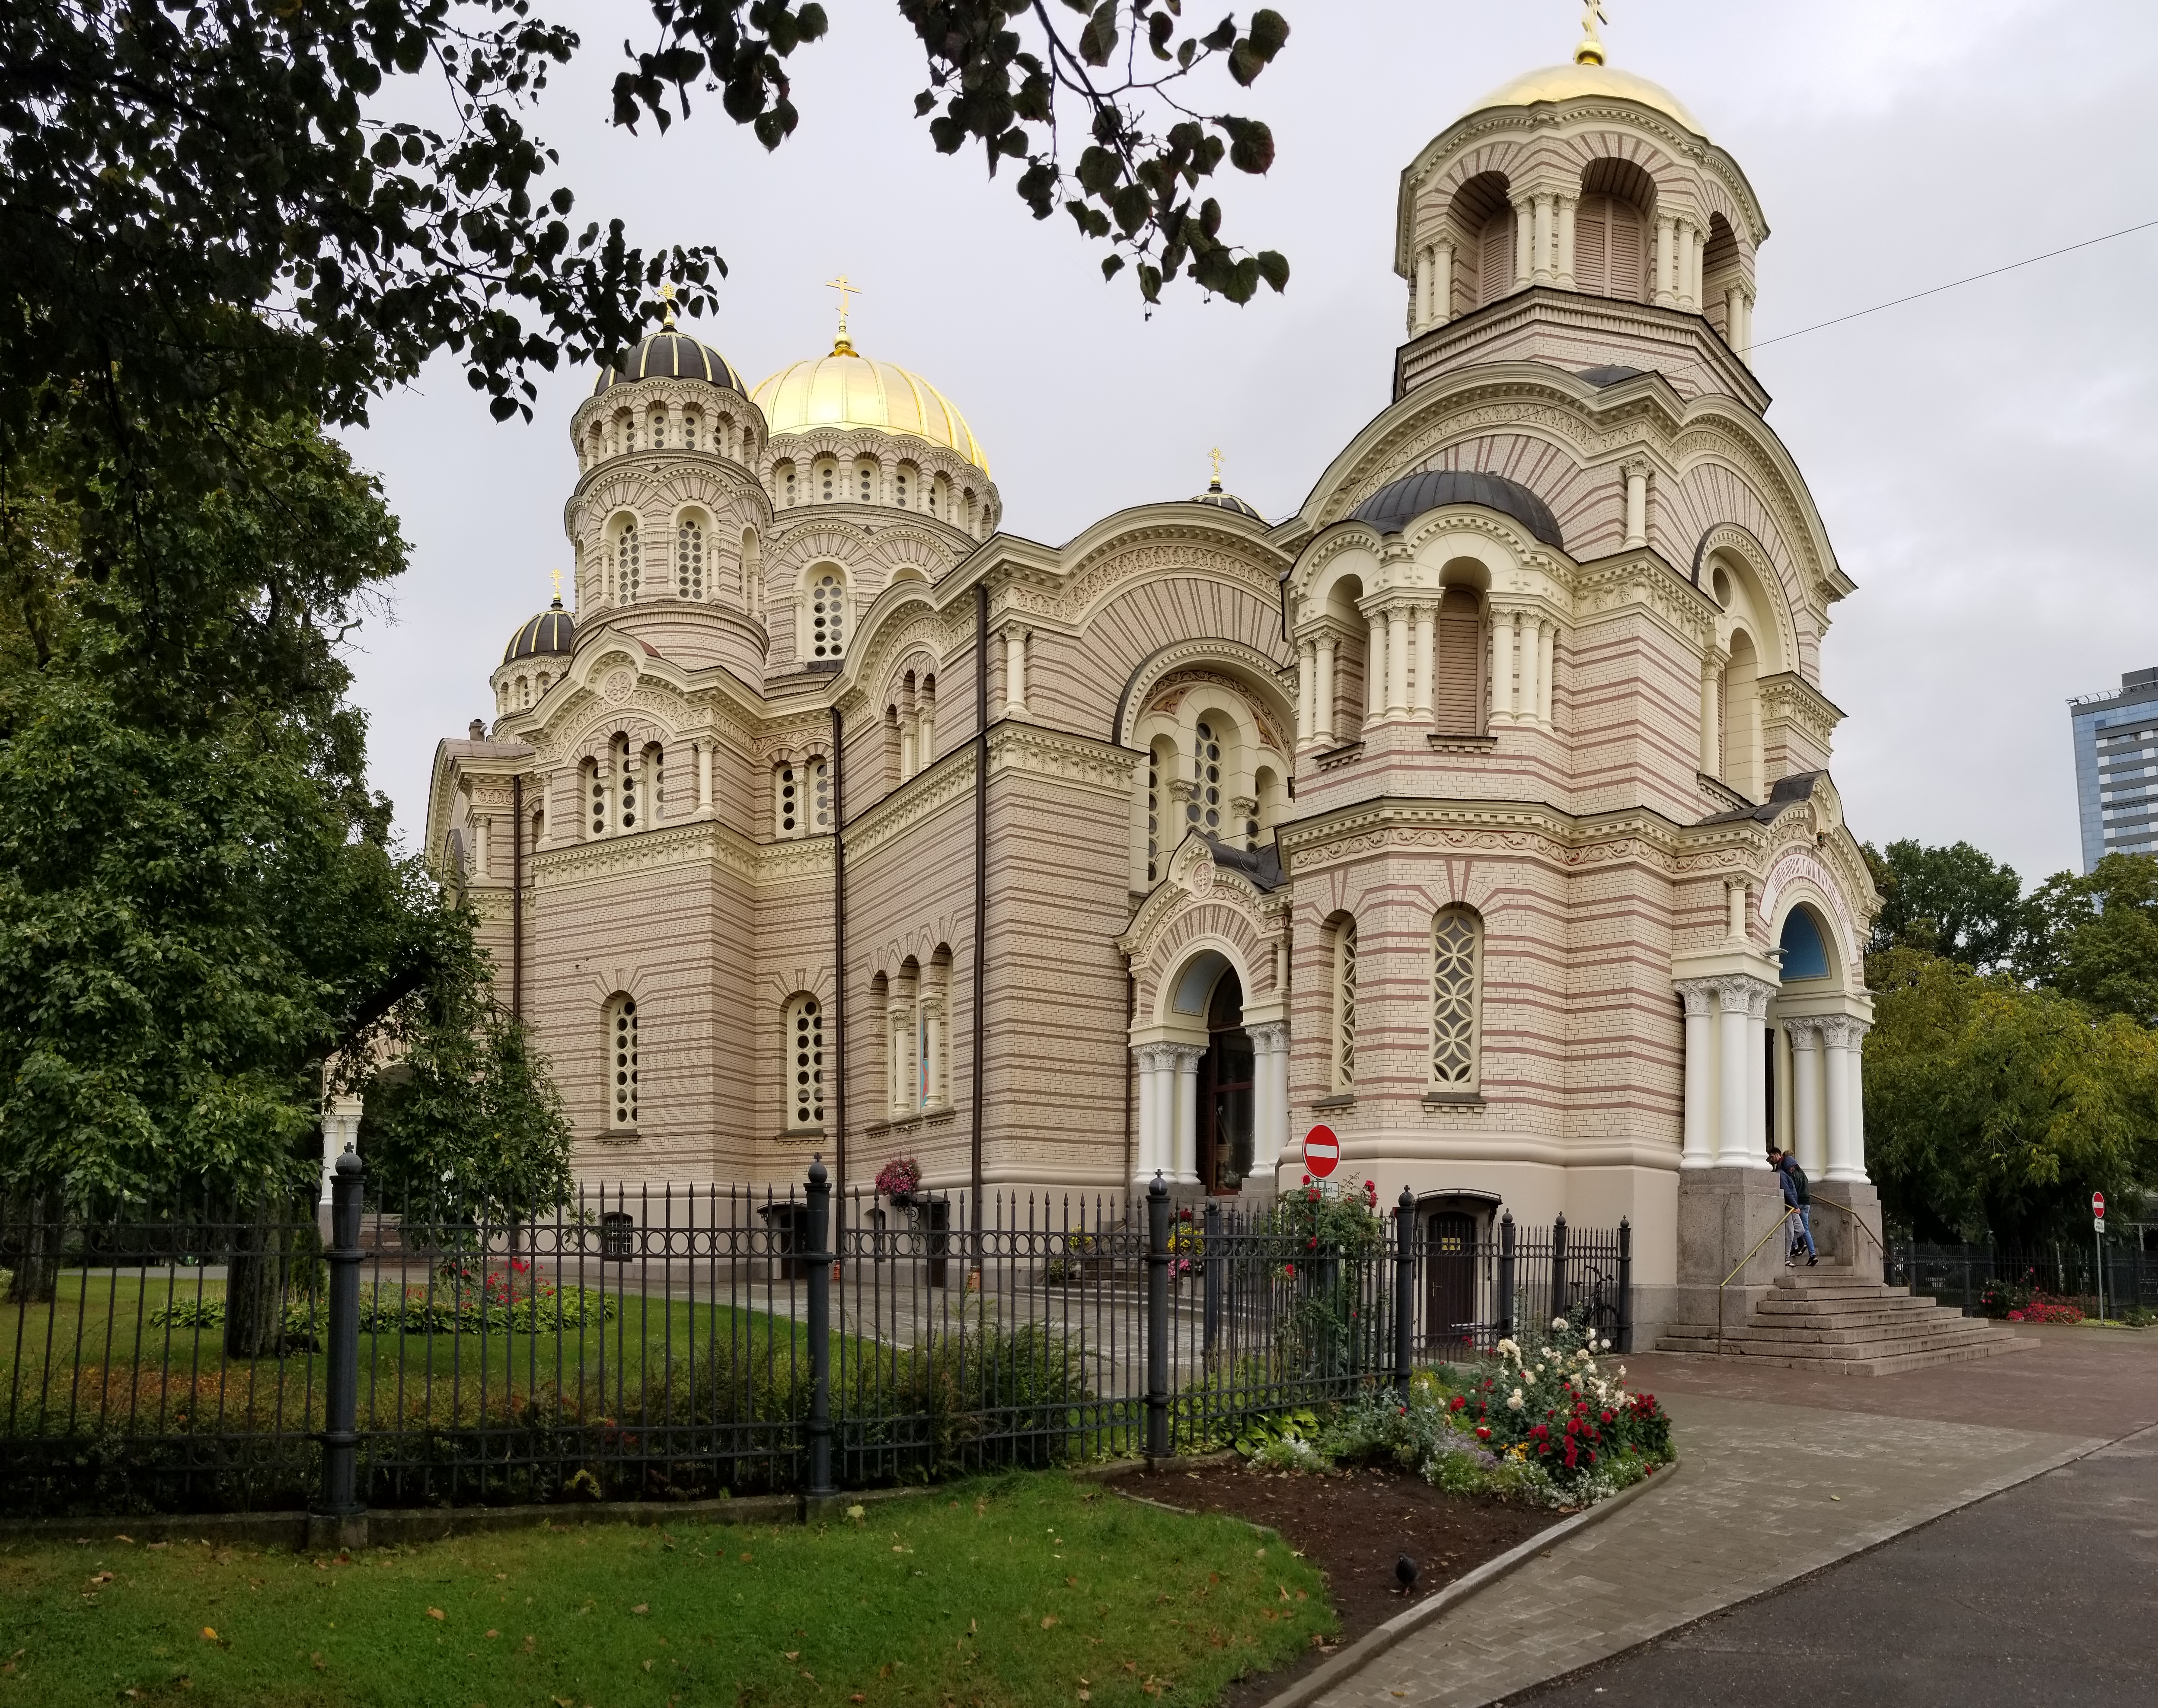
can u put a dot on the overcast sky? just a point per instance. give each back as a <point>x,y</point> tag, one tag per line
<point>1983,459</point>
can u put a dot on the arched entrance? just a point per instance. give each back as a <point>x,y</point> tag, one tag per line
<point>1226,1085</point>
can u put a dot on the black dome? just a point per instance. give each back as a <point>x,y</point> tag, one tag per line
<point>549,634</point>
<point>671,355</point>
<point>1611,373</point>
<point>1225,501</point>
<point>1399,502</point>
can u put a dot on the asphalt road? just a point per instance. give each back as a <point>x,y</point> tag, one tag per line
<point>2046,1594</point>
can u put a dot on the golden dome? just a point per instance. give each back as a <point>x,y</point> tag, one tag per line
<point>1587,78</point>
<point>846,390</point>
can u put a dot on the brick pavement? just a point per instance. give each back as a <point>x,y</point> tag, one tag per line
<point>1785,1473</point>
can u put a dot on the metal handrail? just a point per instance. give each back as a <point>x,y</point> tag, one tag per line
<point>1743,1262</point>
<point>1857,1221</point>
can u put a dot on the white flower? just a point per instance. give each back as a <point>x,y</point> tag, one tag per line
<point>1514,1400</point>
<point>1506,1346</point>
<point>1622,1369</point>
<point>1558,1324</point>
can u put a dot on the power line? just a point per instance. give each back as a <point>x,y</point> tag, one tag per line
<point>1990,273</point>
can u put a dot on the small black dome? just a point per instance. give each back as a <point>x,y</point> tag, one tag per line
<point>1610,373</point>
<point>671,355</point>
<point>1399,502</point>
<point>1225,501</point>
<point>551,633</point>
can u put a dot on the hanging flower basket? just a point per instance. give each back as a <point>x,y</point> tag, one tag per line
<point>898,1179</point>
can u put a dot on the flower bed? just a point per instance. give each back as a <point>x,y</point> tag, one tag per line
<point>1542,1423</point>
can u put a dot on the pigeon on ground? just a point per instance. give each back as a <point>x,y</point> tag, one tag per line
<point>1405,1569</point>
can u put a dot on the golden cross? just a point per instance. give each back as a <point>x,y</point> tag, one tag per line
<point>558,586</point>
<point>1215,454</point>
<point>845,290</point>
<point>667,295</point>
<point>1590,52</point>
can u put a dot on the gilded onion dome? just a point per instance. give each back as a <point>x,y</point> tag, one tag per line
<point>845,390</point>
<point>1589,75</point>
<point>553,631</point>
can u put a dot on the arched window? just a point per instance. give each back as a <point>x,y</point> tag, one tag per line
<point>629,566</point>
<point>938,496</point>
<point>1344,1041</point>
<point>689,431</point>
<point>652,779</point>
<point>690,559</point>
<point>1161,830</point>
<point>659,428</point>
<point>1457,699</point>
<point>1266,797</point>
<point>545,679</point>
<point>625,784</point>
<point>932,1033</point>
<point>828,615</point>
<point>786,472</point>
<point>827,477</point>
<point>865,481</point>
<point>592,789</point>
<point>627,426</point>
<point>1457,941</point>
<point>1610,248</point>
<point>1483,213</point>
<point>801,801</point>
<point>899,489</point>
<point>1204,809</point>
<point>1740,717</point>
<point>622,1061</point>
<point>805,1064</point>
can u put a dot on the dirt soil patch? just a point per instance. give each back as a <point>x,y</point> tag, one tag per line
<point>1354,1525</point>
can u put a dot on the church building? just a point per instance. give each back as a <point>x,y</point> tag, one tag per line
<point>1479,810</point>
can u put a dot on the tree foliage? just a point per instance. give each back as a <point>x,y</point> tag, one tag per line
<point>2094,936</point>
<point>1954,901</point>
<point>1991,1105</point>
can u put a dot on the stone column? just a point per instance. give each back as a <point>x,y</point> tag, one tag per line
<point>1442,284</point>
<point>1529,696</point>
<point>1637,505</point>
<point>1836,1038</point>
<point>1541,261</point>
<point>1563,268</point>
<point>1741,1025</point>
<point>1015,672</point>
<point>1420,296</point>
<point>482,830</point>
<point>1550,635</point>
<point>1697,1150</point>
<point>1422,657</point>
<point>1186,1153</point>
<point>1270,1093</point>
<point>1502,666</point>
<point>1375,666</point>
<point>1397,661</point>
<point>340,1132</point>
<point>1664,295</point>
<point>1808,1141</point>
<point>1322,692</point>
<point>1525,226</point>
<point>1307,663</point>
<point>1712,734</point>
<point>703,779</point>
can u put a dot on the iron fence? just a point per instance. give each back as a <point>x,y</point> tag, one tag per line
<point>667,1342</point>
<point>1965,1276</point>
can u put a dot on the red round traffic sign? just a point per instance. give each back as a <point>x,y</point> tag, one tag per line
<point>1321,1150</point>
<point>2098,1203</point>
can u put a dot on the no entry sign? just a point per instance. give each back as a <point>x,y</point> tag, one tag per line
<point>2098,1203</point>
<point>1321,1150</point>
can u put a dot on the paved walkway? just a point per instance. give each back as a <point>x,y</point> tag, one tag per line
<point>2039,1596</point>
<point>1785,1473</point>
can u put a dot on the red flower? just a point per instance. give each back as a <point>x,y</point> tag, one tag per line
<point>1307,1180</point>
<point>1289,1268</point>
<point>1459,1403</point>
<point>1483,1434</point>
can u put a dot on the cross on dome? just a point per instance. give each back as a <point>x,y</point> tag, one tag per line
<point>842,346</point>
<point>1590,51</point>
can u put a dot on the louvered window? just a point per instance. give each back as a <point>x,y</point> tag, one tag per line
<point>690,559</point>
<point>1495,261</point>
<point>1609,249</point>
<point>1345,1006</point>
<point>1458,704</point>
<point>629,566</point>
<point>828,617</point>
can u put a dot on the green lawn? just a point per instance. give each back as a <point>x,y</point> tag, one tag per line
<point>1023,1590</point>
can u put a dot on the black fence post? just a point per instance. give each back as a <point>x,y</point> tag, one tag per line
<point>820,1332</point>
<point>1404,1290</point>
<point>1212,1265</point>
<point>1558,1266</point>
<point>1506,1275</point>
<point>339,1519</point>
<point>1157,1320</point>
<point>1625,1335</point>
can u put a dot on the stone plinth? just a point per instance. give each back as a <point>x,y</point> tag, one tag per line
<point>1723,1213</point>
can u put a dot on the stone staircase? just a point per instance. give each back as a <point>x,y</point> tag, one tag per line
<point>1837,1321</point>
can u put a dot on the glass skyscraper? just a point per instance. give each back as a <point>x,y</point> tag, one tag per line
<point>2116,737</point>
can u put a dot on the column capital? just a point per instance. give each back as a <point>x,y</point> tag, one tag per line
<point>1699,994</point>
<point>1842,1031</point>
<point>1741,991</point>
<point>1273,1034</point>
<point>1805,1030</point>
<point>1638,468</point>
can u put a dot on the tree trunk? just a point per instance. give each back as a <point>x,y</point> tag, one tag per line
<point>39,1237</point>
<point>255,1284</point>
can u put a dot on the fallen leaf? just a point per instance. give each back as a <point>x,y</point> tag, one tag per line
<point>209,1633</point>
<point>791,1653</point>
<point>647,1666</point>
<point>1835,1497</point>
<point>494,1634</point>
<point>129,1539</point>
<point>746,1559</point>
<point>1047,1620</point>
<point>641,1608</point>
<point>436,1613</point>
<point>857,1514</point>
<point>102,1578</point>
<point>320,1664</point>
<point>530,1642</point>
<point>1072,1582</point>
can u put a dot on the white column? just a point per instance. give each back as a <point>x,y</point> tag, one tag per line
<point>1307,665</point>
<point>1859,1029</point>
<point>1745,344</point>
<point>1808,1142</point>
<point>1549,631</point>
<point>1398,683</point>
<point>1502,666</point>
<point>1531,694</point>
<point>1442,284</point>
<point>1322,692</point>
<point>1419,299</point>
<point>340,1134</point>
<point>1637,505</point>
<point>1756,1132</point>
<point>1524,229</point>
<point>1375,666</point>
<point>1563,269</point>
<point>1711,737</point>
<point>1270,1089</point>
<point>704,779</point>
<point>1186,1153</point>
<point>481,830</point>
<point>1734,906</point>
<point>906,748</point>
<point>1835,1041</point>
<point>925,733</point>
<point>1541,261</point>
<point>1730,1031</point>
<point>1731,338</point>
<point>1422,659</point>
<point>1147,1058</point>
<point>1015,672</point>
<point>1697,1151</point>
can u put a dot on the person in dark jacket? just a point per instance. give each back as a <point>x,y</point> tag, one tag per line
<point>1799,1196</point>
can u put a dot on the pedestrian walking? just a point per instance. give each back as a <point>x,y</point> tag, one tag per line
<point>1798,1197</point>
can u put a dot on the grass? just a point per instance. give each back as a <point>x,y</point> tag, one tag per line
<point>1013,1592</point>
